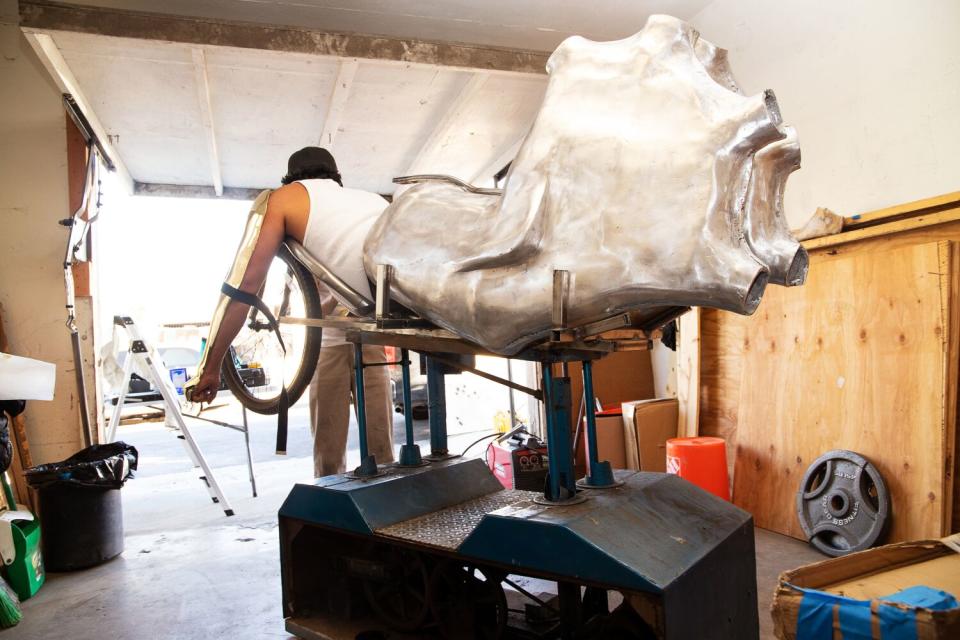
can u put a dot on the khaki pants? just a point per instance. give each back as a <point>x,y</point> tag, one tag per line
<point>331,392</point>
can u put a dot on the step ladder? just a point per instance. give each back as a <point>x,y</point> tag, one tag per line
<point>139,352</point>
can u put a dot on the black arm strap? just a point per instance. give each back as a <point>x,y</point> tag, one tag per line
<point>249,299</point>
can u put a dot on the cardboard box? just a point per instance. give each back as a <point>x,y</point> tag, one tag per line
<point>851,594</point>
<point>620,376</point>
<point>609,437</point>
<point>647,425</point>
<point>617,377</point>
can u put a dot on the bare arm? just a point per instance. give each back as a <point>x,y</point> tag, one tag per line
<point>284,210</point>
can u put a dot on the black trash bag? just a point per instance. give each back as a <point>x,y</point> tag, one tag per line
<point>6,447</point>
<point>11,408</point>
<point>668,335</point>
<point>101,466</point>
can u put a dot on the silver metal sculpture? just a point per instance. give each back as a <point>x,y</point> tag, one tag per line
<point>647,175</point>
<point>764,224</point>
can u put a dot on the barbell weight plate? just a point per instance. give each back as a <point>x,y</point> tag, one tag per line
<point>843,503</point>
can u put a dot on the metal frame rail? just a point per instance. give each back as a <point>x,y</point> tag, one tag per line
<point>446,353</point>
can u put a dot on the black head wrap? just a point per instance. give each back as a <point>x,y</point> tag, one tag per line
<point>312,163</point>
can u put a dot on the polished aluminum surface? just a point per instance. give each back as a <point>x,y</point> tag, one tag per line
<point>765,225</point>
<point>638,177</point>
<point>248,242</point>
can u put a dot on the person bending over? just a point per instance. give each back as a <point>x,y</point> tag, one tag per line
<point>331,222</point>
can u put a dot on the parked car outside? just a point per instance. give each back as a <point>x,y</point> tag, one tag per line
<point>180,364</point>
<point>418,384</point>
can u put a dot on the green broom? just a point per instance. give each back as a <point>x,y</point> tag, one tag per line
<point>10,613</point>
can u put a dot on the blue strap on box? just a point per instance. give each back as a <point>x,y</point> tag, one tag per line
<point>815,618</point>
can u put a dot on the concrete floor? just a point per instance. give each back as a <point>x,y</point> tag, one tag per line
<point>190,572</point>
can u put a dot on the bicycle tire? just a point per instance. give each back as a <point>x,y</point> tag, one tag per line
<point>309,355</point>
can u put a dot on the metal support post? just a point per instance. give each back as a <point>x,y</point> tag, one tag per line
<point>513,406</point>
<point>437,407</point>
<point>368,464</point>
<point>81,386</point>
<point>561,485</point>
<point>246,441</point>
<point>571,609</point>
<point>599,474</point>
<point>409,451</point>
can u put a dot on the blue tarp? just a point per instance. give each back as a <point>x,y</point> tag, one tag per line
<point>815,618</point>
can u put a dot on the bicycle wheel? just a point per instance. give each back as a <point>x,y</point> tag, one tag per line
<point>256,366</point>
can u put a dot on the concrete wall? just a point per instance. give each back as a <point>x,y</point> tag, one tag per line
<point>33,196</point>
<point>872,86</point>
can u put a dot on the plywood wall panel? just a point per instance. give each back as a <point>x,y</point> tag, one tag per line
<point>688,373</point>
<point>720,351</point>
<point>855,359</point>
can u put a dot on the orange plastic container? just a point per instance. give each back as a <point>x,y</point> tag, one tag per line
<point>702,461</point>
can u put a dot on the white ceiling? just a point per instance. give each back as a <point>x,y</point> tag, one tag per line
<point>266,105</point>
<point>518,24</point>
<point>386,119</point>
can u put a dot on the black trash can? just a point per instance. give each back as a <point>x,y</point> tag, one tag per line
<point>78,504</point>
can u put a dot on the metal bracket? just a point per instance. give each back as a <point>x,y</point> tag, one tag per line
<point>561,298</point>
<point>536,393</point>
<point>342,291</point>
<point>436,177</point>
<point>384,277</point>
<point>368,469</point>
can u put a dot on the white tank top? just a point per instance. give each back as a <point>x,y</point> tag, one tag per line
<point>339,221</point>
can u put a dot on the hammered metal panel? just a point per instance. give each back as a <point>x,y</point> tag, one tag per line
<point>448,528</point>
<point>648,174</point>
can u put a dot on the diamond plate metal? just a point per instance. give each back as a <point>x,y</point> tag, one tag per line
<point>448,528</point>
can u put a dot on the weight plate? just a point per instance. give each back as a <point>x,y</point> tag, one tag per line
<point>843,503</point>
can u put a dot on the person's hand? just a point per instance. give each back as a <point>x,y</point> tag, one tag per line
<point>203,388</point>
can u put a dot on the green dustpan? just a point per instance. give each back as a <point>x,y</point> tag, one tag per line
<point>25,572</point>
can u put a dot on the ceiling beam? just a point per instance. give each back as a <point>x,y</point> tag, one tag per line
<point>156,189</point>
<point>338,101</point>
<point>193,191</point>
<point>37,15</point>
<point>451,120</point>
<point>59,70</point>
<point>206,117</point>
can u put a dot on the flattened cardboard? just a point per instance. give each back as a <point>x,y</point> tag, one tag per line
<point>647,425</point>
<point>610,444</point>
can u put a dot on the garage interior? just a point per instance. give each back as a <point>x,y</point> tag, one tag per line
<point>656,465</point>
